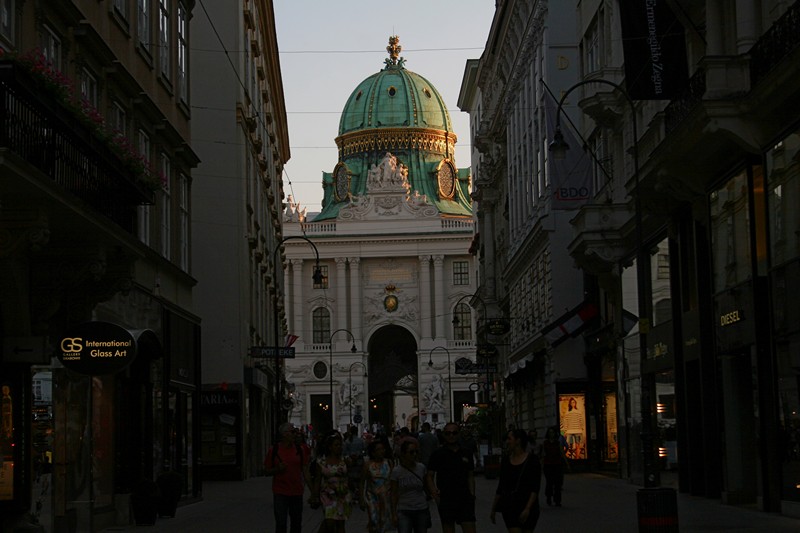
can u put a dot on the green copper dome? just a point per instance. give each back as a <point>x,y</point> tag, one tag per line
<point>392,98</point>
<point>399,112</point>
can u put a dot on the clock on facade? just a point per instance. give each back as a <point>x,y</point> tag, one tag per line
<point>446,176</point>
<point>341,182</point>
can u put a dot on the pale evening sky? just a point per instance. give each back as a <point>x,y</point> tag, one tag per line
<point>329,47</point>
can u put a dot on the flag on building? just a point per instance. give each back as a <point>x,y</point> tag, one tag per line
<point>569,324</point>
<point>290,339</point>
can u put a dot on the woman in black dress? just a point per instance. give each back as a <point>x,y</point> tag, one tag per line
<point>517,496</point>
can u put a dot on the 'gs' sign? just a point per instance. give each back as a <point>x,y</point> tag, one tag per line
<point>97,348</point>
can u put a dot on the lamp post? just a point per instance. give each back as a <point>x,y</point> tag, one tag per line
<point>449,378</point>
<point>330,368</point>
<point>317,278</point>
<point>559,146</point>
<point>488,374</point>
<point>350,384</point>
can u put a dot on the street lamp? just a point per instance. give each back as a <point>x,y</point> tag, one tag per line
<point>495,326</point>
<point>317,277</point>
<point>449,378</point>
<point>350,382</point>
<point>559,146</point>
<point>330,369</point>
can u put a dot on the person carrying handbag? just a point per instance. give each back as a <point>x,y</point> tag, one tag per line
<point>517,495</point>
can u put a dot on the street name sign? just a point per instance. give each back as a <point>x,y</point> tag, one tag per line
<point>272,352</point>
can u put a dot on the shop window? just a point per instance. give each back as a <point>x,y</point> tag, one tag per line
<point>7,444</point>
<point>572,422</point>
<point>659,284</point>
<point>730,233</point>
<point>667,436</point>
<point>611,436</point>
<point>783,199</point>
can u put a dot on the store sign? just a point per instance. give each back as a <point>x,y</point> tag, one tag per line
<point>498,326</point>
<point>733,317</point>
<point>97,348</point>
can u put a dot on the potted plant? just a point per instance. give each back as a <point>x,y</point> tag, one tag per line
<point>144,502</point>
<point>169,484</point>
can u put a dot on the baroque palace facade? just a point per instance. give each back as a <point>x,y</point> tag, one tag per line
<point>377,340</point>
<point>685,238</point>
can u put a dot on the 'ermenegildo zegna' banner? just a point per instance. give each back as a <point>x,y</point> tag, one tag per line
<point>654,46</point>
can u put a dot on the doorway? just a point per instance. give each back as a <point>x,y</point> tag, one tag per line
<point>393,378</point>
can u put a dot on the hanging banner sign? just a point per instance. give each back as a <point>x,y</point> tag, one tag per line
<point>97,348</point>
<point>654,48</point>
<point>498,326</point>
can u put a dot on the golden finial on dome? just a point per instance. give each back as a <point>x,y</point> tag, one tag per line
<point>394,50</point>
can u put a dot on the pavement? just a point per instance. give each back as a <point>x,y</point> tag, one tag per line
<point>592,503</point>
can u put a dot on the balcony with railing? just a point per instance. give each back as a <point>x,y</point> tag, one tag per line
<point>38,129</point>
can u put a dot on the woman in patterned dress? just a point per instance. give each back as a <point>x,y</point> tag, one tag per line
<point>330,486</point>
<point>376,489</point>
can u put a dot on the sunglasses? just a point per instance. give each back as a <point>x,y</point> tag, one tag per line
<point>450,432</point>
<point>412,452</point>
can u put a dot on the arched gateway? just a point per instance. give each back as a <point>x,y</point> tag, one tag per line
<point>394,381</point>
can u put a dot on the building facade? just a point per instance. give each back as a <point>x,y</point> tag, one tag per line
<point>377,344</point>
<point>96,164</point>
<point>240,131</point>
<point>686,241</point>
<point>547,377</point>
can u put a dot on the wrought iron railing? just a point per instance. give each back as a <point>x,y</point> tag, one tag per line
<point>777,43</point>
<point>679,109</point>
<point>35,127</point>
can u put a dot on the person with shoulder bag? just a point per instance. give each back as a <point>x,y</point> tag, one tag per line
<point>410,509</point>
<point>517,495</point>
<point>287,462</point>
<point>554,461</point>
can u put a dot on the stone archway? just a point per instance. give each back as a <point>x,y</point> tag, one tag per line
<point>393,377</point>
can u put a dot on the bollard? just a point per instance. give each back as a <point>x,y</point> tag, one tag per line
<point>657,510</point>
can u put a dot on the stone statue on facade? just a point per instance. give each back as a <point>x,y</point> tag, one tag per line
<point>433,395</point>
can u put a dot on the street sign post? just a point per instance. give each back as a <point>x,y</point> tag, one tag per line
<point>272,352</point>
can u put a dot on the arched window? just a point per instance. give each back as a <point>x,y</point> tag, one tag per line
<point>462,322</point>
<point>321,323</point>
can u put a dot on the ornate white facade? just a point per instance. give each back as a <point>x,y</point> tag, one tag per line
<point>396,268</point>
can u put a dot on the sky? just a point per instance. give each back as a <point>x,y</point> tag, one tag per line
<point>327,47</point>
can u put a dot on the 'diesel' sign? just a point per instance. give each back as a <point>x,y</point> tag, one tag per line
<point>97,348</point>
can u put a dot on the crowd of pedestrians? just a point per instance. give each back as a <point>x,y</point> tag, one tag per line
<point>395,482</point>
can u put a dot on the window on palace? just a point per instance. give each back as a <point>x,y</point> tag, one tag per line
<point>321,325</point>
<point>324,283</point>
<point>460,273</point>
<point>462,322</point>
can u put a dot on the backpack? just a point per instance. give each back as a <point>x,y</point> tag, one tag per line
<point>276,458</point>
